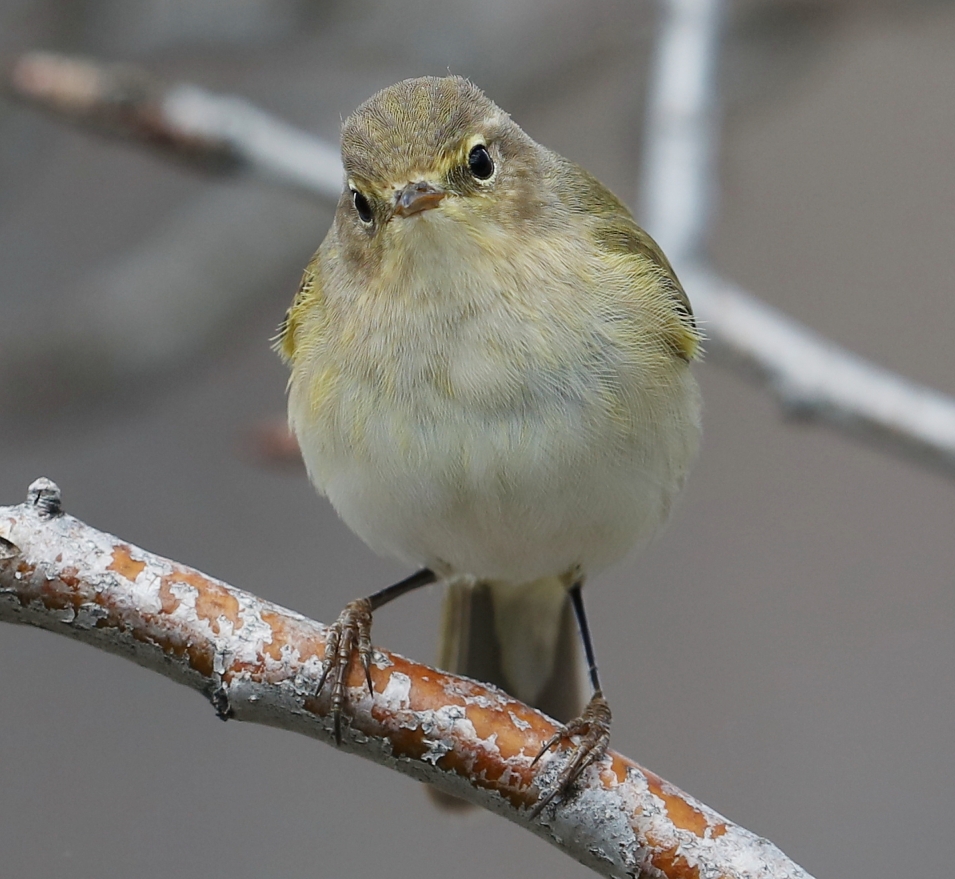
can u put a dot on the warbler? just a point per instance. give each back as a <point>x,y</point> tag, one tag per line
<point>490,380</point>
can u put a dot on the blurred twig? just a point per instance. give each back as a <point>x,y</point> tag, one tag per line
<point>809,375</point>
<point>213,132</point>
<point>118,99</point>
<point>258,662</point>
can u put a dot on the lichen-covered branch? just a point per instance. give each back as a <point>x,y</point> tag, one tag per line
<point>808,374</point>
<point>259,662</point>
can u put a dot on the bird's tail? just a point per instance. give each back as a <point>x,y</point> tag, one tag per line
<point>522,639</point>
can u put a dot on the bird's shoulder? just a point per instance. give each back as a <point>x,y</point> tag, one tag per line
<point>620,240</point>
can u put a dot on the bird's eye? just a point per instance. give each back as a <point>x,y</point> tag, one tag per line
<point>480,162</point>
<point>362,207</point>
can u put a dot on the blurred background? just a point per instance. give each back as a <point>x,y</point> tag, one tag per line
<point>784,652</point>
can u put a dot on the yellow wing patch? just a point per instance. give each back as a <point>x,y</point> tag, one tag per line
<point>623,238</point>
<point>641,259</point>
<point>286,338</point>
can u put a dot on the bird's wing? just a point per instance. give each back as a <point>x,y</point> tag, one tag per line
<point>617,235</point>
<point>309,293</point>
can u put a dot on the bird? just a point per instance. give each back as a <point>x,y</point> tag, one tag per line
<point>490,381</point>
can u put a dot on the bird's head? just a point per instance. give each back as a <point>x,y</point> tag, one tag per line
<point>432,162</point>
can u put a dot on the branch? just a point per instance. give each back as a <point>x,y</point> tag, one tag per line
<point>214,133</point>
<point>815,379</point>
<point>810,376</point>
<point>259,662</point>
<point>807,374</point>
<point>677,185</point>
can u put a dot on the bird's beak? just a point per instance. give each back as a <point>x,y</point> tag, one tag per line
<point>417,197</point>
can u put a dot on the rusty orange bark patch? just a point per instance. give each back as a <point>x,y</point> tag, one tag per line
<point>212,600</point>
<point>618,767</point>
<point>124,564</point>
<point>510,741</point>
<point>168,600</point>
<point>56,593</point>
<point>425,695</point>
<point>276,622</point>
<point>288,632</point>
<point>199,656</point>
<point>683,815</point>
<point>672,864</point>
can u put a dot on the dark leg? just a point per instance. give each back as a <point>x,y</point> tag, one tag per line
<point>353,628</point>
<point>577,600</point>
<point>424,577</point>
<point>592,727</point>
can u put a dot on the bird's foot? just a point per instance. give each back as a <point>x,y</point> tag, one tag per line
<point>352,629</point>
<point>592,730</point>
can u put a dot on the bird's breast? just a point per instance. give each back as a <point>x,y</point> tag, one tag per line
<point>491,418</point>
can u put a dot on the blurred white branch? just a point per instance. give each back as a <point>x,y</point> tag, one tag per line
<point>259,662</point>
<point>680,143</point>
<point>814,378</point>
<point>215,132</point>
<point>809,375</point>
<point>263,144</point>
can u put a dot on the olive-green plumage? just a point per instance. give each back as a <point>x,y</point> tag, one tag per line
<point>489,368</point>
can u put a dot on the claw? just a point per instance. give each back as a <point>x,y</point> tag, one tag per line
<point>562,733</point>
<point>593,730</point>
<point>353,625</point>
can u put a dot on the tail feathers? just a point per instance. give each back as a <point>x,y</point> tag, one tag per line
<point>522,639</point>
<point>563,695</point>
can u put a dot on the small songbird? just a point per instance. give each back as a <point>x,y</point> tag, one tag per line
<point>490,380</point>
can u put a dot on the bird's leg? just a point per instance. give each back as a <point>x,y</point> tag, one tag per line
<point>352,630</point>
<point>592,728</point>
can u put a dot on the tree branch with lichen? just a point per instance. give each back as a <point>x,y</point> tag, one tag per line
<point>258,662</point>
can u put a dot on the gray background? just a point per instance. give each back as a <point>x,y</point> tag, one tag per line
<point>785,652</point>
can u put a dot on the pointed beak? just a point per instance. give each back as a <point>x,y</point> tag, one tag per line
<point>417,197</point>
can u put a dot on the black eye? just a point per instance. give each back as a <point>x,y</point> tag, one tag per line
<point>362,206</point>
<point>480,162</point>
